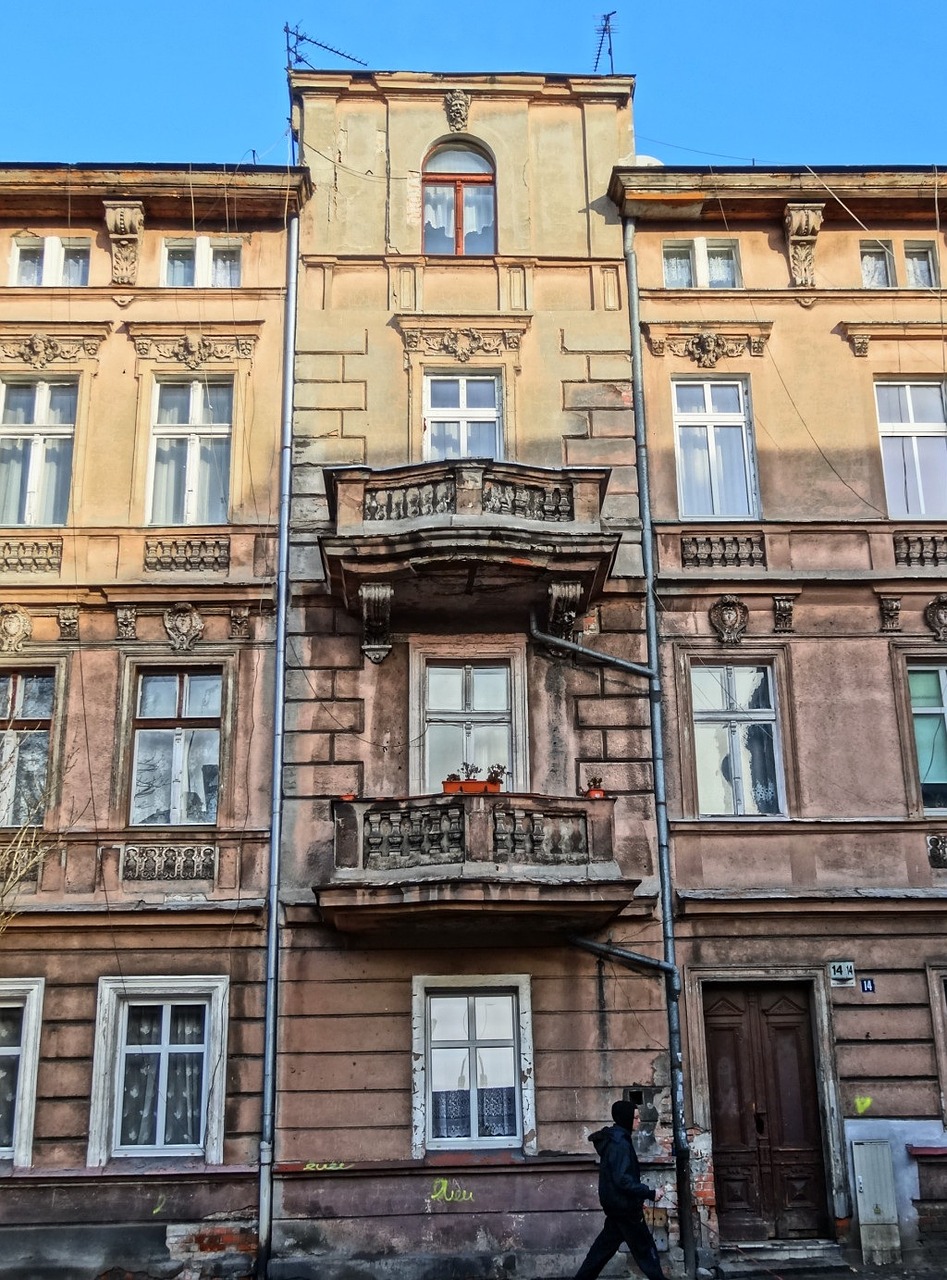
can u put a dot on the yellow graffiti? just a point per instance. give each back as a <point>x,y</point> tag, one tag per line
<point>441,1189</point>
<point>160,1205</point>
<point>326,1166</point>
<point>862,1105</point>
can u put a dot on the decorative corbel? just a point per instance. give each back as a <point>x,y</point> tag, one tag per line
<point>126,621</point>
<point>782,613</point>
<point>124,220</point>
<point>935,615</point>
<point>67,616</point>
<point>376,598</point>
<point>802,227</point>
<point>729,617</point>
<point>937,851</point>
<point>565,598</point>
<point>890,607</point>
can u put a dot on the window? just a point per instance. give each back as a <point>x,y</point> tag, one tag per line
<point>461,417</point>
<point>191,459</point>
<point>201,263</point>
<point>715,465</point>
<point>158,1072</point>
<point>928,687</point>
<point>176,767</point>
<point>469,709</point>
<point>877,264</point>
<point>21,1011</point>
<point>736,747</point>
<point>473,1080</point>
<point>913,428</point>
<point>459,202</point>
<point>920,264</point>
<point>468,717</point>
<point>701,264</point>
<point>50,260</point>
<point>26,708</point>
<point>37,423</point>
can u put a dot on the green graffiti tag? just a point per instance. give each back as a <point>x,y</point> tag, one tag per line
<point>325,1166</point>
<point>448,1191</point>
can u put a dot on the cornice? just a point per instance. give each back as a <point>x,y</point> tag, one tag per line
<point>51,342</point>
<point>861,333</point>
<point>462,336</point>
<point>707,341</point>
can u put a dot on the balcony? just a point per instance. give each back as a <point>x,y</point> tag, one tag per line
<point>486,862</point>
<point>440,537</point>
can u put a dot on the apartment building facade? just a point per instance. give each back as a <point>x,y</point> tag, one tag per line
<point>141,366</point>
<point>793,368</point>
<point>464,508</point>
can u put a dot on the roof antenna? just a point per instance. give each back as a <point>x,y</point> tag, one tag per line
<point>295,38</point>
<point>604,31</point>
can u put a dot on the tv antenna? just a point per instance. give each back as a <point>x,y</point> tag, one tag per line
<point>294,58</point>
<point>604,31</point>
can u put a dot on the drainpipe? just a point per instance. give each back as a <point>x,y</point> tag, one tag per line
<point>685,1200</point>
<point>267,1128</point>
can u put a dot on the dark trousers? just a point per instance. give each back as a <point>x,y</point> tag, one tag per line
<point>634,1231</point>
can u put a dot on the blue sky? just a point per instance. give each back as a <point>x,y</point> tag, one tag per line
<point>841,81</point>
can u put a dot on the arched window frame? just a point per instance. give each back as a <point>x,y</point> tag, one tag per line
<point>460,182</point>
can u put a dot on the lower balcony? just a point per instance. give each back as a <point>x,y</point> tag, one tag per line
<point>492,863</point>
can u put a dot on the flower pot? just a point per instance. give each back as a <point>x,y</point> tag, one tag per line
<point>451,786</point>
<point>595,793</point>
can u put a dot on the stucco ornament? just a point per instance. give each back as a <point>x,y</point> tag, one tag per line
<point>937,851</point>
<point>935,615</point>
<point>16,627</point>
<point>124,220</point>
<point>729,617</point>
<point>184,626</point>
<point>376,598</point>
<point>890,608</point>
<point>565,599</point>
<point>126,621</point>
<point>802,227</point>
<point>457,109</point>
<point>67,617</point>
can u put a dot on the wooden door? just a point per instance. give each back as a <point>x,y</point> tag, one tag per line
<point>767,1139</point>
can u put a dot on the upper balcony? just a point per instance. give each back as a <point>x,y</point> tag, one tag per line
<point>439,537</point>
<point>481,862</point>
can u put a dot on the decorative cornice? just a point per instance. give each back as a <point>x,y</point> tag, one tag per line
<point>802,222</point>
<point>196,349</point>
<point>463,337</point>
<point>706,342</point>
<point>53,343</point>
<point>862,332</point>
<point>565,600</point>
<point>920,549</point>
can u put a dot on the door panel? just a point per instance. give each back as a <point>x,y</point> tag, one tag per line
<point>767,1139</point>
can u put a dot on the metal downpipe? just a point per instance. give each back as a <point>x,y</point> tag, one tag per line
<point>685,1198</point>
<point>271,989</point>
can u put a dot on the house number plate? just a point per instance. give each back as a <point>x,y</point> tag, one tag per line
<point>842,973</point>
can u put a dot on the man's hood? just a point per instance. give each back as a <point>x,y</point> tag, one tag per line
<point>603,1137</point>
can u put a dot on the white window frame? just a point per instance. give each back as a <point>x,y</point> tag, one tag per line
<point>107,1072</point>
<point>205,248</point>
<point>921,249</point>
<point>486,649</point>
<point>709,420</point>
<point>53,259</point>
<point>10,739</point>
<point>914,431</point>
<point>195,431</point>
<point>700,248</point>
<point>179,725</point>
<point>471,984</point>
<point>39,431</point>
<point>27,993</point>
<point>931,712</point>
<point>732,717</point>
<point>465,416</point>
<point>872,248</point>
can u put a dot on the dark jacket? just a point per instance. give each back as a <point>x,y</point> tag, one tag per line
<point>620,1188</point>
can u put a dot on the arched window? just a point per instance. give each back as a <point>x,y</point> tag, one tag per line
<point>459,202</point>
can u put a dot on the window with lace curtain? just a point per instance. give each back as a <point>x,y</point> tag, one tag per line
<point>474,1038</point>
<point>21,1008</point>
<point>37,426</point>
<point>912,422</point>
<point>190,462</point>
<point>701,264</point>
<point>50,262</point>
<point>200,263</point>
<point>158,1073</point>
<point>459,202</point>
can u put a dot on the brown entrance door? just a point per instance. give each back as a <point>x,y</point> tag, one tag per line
<point>767,1140</point>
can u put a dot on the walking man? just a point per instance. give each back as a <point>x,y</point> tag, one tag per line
<point>622,1194</point>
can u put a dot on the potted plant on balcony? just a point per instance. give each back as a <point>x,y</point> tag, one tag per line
<point>468,784</point>
<point>593,787</point>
